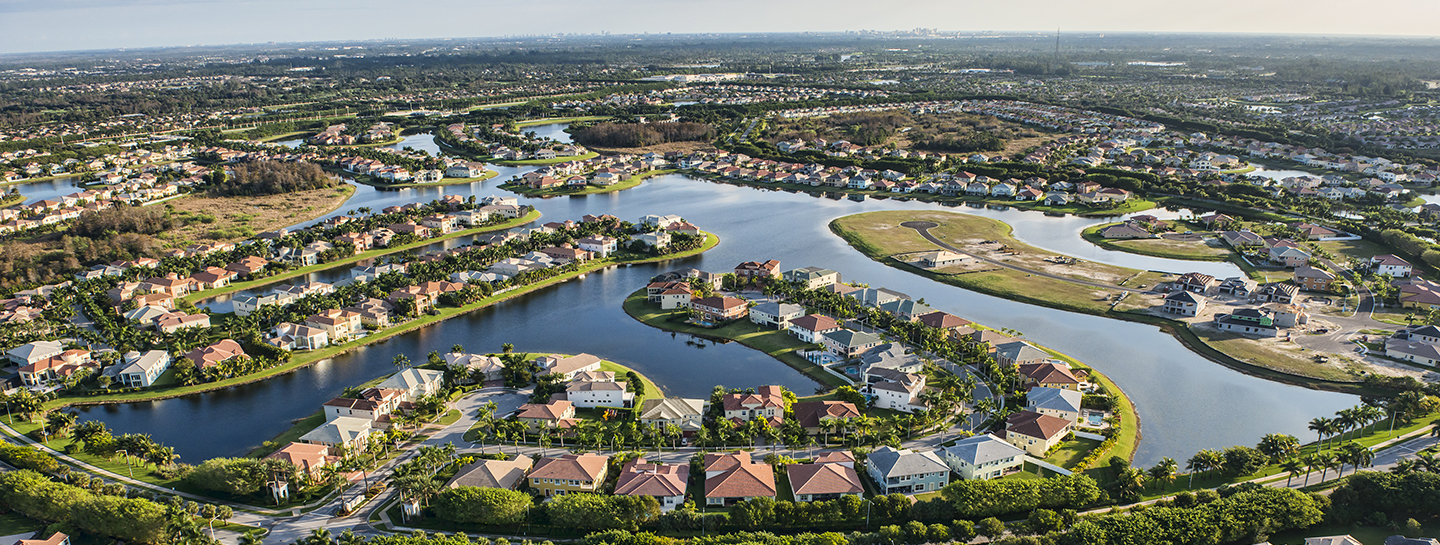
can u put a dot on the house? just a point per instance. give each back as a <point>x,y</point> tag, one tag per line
<point>1289,256</point>
<point>848,343</point>
<point>472,368</point>
<point>1019,353</point>
<point>767,402</point>
<point>415,383</point>
<point>1056,402</point>
<point>598,393</point>
<point>248,265</point>
<point>568,367</point>
<point>1248,321</point>
<point>688,414</point>
<point>1184,303</point>
<point>338,324</point>
<point>33,352</point>
<point>1391,265</point>
<point>817,416</point>
<point>1200,283</point>
<point>298,337</point>
<point>1287,315</point>
<point>983,457</point>
<point>944,320</point>
<point>664,482</point>
<point>1413,351</point>
<point>670,295</point>
<point>821,482</point>
<point>756,269</point>
<point>599,245</point>
<point>906,309</point>
<point>1238,286</point>
<point>57,538</point>
<point>56,367</point>
<point>891,356</point>
<point>309,459</point>
<point>1334,540</point>
<point>895,390</point>
<point>718,309</point>
<point>558,413</point>
<point>812,277</point>
<point>570,473</point>
<point>502,474</point>
<point>1126,230</point>
<point>775,315</point>
<point>809,328</point>
<point>904,471</point>
<point>177,320</point>
<point>731,478</point>
<point>1035,433</point>
<point>874,297</point>
<point>1313,279</point>
<point>209,356</point>
<point>940,258</point>
<point>1050,374</point>
<point>372,404</point>
<point>1275,292</point>
<point>141,370</point>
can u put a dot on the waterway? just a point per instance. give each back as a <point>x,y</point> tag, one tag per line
<point>1186,402</point>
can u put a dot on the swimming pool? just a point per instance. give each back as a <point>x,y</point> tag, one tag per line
<point>1095,419</point>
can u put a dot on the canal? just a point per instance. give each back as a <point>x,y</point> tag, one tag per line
<point>1186,402</point>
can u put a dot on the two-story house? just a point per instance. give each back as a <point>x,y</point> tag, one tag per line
<point>568,474</point>
<point>904,471</point>
<point>983,457</point>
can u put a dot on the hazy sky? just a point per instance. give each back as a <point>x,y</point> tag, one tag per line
<point>53,25</point>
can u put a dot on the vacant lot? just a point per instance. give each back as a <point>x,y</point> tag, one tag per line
<point>234,218</point>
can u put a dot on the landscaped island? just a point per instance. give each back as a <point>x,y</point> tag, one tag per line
<point>990,261</point>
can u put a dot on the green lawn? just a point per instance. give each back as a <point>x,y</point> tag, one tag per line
<point>779,344</point>
<point>1157,247</point>
<point>371,254</point>
<point>450,417</point>
<point>1129,439</point>
<point>652,390</point>
<point>302,359</point>
<point>301,427</point>
<point>1070,452</point>
<point>14,523</point>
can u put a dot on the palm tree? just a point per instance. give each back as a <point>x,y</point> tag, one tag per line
<point>1292,465</point>
<point>1359,456</point>
<point>1321,426</point>
<point>1164,471</point>
<point>1326,462</point>
<point>1130,482</point>
<point>1405,467</point>
<point>251,538</point>
<point>319,536</point>
<point>1311,462</point>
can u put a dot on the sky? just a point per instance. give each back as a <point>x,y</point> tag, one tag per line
<point>61,25</point>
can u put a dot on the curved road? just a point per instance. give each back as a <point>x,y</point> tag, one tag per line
<point>924,227</point>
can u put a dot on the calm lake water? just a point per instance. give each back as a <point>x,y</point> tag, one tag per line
<point>1186,402</point>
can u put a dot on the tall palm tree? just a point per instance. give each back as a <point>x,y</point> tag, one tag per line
<point>1405,467</point>
<point>1359,455</point>
<point>1164,471</point>
<point>1292,465</point>
<point>1321,426</point>
<point>1326,462</point>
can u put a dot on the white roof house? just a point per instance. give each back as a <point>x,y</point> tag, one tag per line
<point>29,353</point>
<point>141,370</point>
<point>344,431</point>
<point>416,383</point>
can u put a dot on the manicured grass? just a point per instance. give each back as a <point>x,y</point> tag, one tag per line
<point>652,390</point>
<point>590,155</point>
<point>450,417</point>
<point>1069,453</point>
<point>301,427</point>
<point>1129,440</point>
<point>116,465</point>
<point>778,344</point>
<point>292,273</point>
<point>634,181</point>
<point>306,358</point>
<point>1156,247</point>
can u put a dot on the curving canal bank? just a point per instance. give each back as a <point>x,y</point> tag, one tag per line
<point>1185,401</point>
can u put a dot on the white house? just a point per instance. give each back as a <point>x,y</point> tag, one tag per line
<point>141,370</point>
<point>30,353</point>
<point>416,383</point>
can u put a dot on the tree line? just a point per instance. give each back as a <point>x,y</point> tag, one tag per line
<point>635,135</point>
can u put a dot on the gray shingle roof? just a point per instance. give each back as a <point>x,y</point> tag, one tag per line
<point>894,463</point>
<point>1053,398</point>
<point>981,449</point>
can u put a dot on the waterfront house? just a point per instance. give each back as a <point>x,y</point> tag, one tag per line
<point>939,258</point>
<point>219,352</point>
<point>1248,321</point>
<point>603,391</point>
<point>1056,402</point>
<point>56,367</point>
<point>906,309</point>
<point>309,459</point>
<point>33,352</point>
<point>568,367</point>
<point>599,245</point>
<point>1184,303</point>
<point>812,277</point>
<point>757,269</point>
<point>298,337</point>
<point>342,435</point>
<point>568,474</point>
<point>670,295</point>
<point>766,402</point>
<point>141,370</point>
<point>983,457</point>
<point>775,315</point>
<point>718,309</point>
<point>904,471</point>
<point>1050,374</point>
<point>415,383</point>
<point>470,368</point>
<point>895,390</point>
<point>1019,353</point>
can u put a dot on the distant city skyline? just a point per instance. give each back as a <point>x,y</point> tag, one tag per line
<point>62,25</point>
